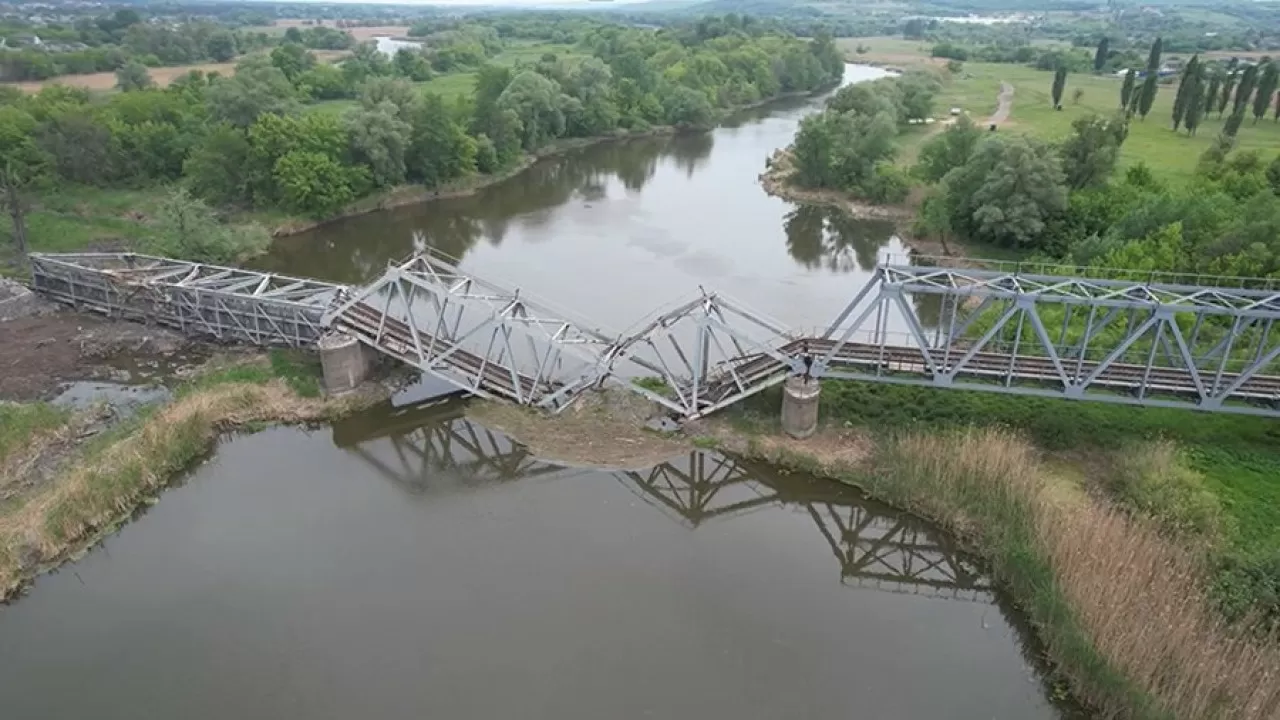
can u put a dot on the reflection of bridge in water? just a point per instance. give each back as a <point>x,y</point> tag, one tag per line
<point>433,447</point>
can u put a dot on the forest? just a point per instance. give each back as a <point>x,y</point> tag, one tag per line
<point>250,142</point>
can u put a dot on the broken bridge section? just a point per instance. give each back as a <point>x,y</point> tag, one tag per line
<point>223,303</point>
<point>480,336</point>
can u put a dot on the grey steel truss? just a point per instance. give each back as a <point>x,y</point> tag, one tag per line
<point>1195,342</point>
<point>876,546</point>
<point>480,336</point>
<point>1112,340</point>
<point>224,303</point>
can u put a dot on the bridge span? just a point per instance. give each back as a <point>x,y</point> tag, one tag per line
<point>1142,339</point>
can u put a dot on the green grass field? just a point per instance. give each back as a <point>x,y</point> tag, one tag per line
<point>1169,155</point>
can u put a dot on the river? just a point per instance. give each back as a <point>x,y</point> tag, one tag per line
<point>407,562</point>
<point>616,230</point>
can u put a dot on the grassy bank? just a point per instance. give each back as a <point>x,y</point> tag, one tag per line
<point>99,484</point>
<point>1121,606</point>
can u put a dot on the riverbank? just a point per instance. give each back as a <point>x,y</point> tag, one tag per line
<point>1120,599</point>
<point>70,478</point>
<point>406,195</point>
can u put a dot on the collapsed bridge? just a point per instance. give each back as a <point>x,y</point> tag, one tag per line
<point>1156,340</point>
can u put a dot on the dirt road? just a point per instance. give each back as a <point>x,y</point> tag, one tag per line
<point>1004,105</point>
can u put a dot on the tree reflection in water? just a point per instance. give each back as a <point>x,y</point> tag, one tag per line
<point>355,249</point>
<point>824,237</point>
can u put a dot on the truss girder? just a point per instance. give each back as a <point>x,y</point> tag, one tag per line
<point>1107,340</point>
<point>479,336</point>
<point>1113,340</point>
<point>227,304</point>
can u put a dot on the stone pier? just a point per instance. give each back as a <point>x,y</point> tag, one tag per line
<point>800,406</point>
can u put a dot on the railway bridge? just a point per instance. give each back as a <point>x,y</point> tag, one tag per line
<point>1193,342</point>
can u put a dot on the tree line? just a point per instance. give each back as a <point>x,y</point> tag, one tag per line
<point>248,141</point>
<point>113,40</point>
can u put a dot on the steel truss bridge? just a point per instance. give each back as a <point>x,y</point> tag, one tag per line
<point>1186,342</point>
<point>432,447</point>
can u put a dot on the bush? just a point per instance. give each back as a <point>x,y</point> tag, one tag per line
<point>188,229</point>
<point>1154,480</point>
<point>889,184</point>
<point>1248,587</point>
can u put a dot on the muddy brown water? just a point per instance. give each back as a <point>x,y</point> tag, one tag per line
<point>411,563</point>
<point>408,562</point>
<point>617,230</point>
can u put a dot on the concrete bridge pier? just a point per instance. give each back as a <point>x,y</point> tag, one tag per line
<point>800,406</point>
<point>345,360</point>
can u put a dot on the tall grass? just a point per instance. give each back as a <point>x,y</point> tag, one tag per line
<point>1120,607</point>
<point>20,423</point>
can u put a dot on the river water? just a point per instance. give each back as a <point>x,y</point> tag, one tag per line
<point>407,562</point>
<point>617,230</point>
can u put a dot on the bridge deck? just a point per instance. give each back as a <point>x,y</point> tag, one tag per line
<point>984,367</point>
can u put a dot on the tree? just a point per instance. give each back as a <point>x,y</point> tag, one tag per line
<point>1188,90</point>
<point>380,139</point>
<point>412,64</point>
<point>1059,83</point>
<point>133,76</point>
<point>79,146</point>
<point>1153,57</point>
<point>1148,94</point>
<point>1007,191</point>
<point>1244,91</point>
<point>187,228</point>
<point>313,183</point>
<point>687,107</point>
<point>1267,82</point>
<point>23,164</point>
<point>842,150</point>
<point>1126,88</point>
<point>1211,93</point>
<point>257,88</point>
<point>221,46</point>
<point>1089,154</point>
<point>1196,100</point>
<point>536,102</point>
<point>396,91</point>
<point>1100,56</point>
<point>1228,83</point>
<point>439,148</point>
<point>293,60</point>
<point>217,169</point>
<point>948,150</point>
<point>1234,120</point>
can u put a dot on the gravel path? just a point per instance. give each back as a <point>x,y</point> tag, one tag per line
<point>1004,104</point>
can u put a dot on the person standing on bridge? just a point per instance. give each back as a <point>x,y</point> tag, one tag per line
<point>807,359</point>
